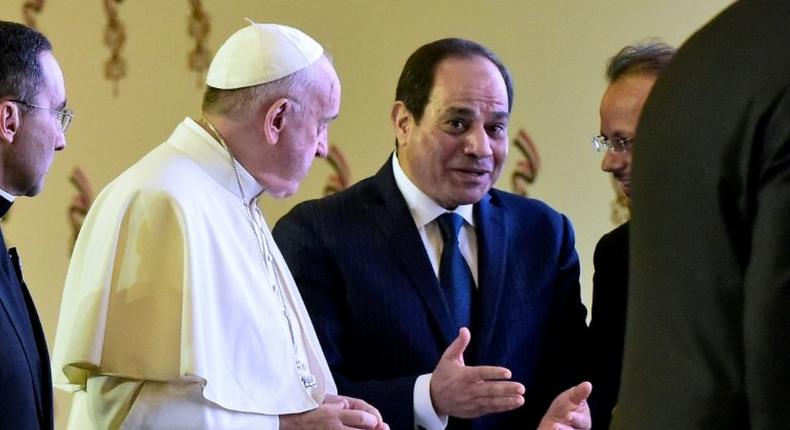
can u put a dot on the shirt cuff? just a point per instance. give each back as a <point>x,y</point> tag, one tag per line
<point>424,414</point>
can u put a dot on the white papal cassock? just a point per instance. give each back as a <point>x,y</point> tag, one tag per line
<point>169,308</point>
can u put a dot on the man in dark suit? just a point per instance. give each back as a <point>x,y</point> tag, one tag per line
<point>33,119</point>
<point>631,74</point>
<point>389,281</point>
<point>708,323</point>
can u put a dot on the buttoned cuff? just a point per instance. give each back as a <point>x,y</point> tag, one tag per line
<point>424,415</point>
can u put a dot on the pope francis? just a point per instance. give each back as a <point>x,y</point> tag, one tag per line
<point>178,310</point>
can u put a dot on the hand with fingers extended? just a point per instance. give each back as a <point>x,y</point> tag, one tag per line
<point>469,392</point>
<point>569,410</point>
<point>336,413</point>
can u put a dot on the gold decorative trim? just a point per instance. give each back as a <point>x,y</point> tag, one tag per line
<point>528,167</point>
<point>30,9</point>
<point>619,205</point>
<point>81,203</point>
<point>114,38</point>
<point>199,28</point>
<point>341,178</point>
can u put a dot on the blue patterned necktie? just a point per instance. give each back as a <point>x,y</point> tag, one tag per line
<point>454,274</point>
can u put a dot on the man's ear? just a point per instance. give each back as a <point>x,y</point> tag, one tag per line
<point>9,120</point>
<point>402,121</point>
<point>274,120</point>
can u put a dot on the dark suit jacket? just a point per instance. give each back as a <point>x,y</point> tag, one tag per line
<point>607,326</point>
<point>708,338</point>
<point>25,381</point>
<point>376,303</point>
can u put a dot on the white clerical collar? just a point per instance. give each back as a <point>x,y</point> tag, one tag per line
<point>423,209</point>
<point>7,196</point>
<point>220,168</point>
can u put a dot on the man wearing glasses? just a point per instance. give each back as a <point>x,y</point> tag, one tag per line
<point>33,120</point>
<point>631,75</point>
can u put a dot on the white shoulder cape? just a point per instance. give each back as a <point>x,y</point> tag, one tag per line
<point>166,283</point>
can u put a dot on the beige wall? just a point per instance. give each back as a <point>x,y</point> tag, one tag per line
<point>555,49</point>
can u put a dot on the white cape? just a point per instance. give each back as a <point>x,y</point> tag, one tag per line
<point>166,283</point>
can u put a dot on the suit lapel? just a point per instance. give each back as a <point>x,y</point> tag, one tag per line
<point>397,225</point>
<point>43,378</point>
<point>13,297</point>
<point>491,243</point>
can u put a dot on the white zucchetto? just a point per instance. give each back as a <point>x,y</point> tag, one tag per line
<point>261,53</point>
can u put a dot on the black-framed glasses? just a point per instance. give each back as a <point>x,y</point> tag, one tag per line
<point>64,116</point>
<point>616,145</point>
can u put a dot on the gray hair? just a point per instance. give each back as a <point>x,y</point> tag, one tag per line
<point>649,57</point>
<point>242,102</point>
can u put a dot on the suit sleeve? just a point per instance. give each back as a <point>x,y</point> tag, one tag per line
<point>767,279</point>
<point>563,362</point>
<point>322,288</point>
<point>608,309</point>
<point>570,313</point>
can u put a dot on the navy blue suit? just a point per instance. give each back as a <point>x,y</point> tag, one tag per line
<point>25,380</point>
<point>379,311</point>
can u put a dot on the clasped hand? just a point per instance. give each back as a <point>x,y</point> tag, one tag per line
<point>336,413</point>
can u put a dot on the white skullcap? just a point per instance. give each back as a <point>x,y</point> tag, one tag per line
<point>261,53</point>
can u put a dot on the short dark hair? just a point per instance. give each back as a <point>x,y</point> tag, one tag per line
<point>20,69</point>
<point>416,79</point>
<point>648,57</point>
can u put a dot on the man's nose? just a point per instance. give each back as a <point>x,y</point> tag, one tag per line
<point>61,143</point>
<point>478,143</point>
<point>612,162</point>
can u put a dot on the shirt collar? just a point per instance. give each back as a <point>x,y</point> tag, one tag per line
<point>423,208</point>
<point>5,202</point>
<point>4,194</point>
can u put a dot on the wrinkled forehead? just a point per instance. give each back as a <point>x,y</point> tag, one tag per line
<point>326,85</point>
<point>334,82</point>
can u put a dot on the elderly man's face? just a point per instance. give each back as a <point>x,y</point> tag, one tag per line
<point>305,133</point>
<point>620,109</point>
<point>39,134</point>
<point>456,152</point>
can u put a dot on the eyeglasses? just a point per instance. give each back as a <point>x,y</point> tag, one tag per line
<point>617,145</point>
<point>64,116</point>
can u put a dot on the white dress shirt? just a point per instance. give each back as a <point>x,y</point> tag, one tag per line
<point>7,196</point>
<point>425,210</point>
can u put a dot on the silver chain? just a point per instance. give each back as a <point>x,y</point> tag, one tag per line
<point>265,253</point>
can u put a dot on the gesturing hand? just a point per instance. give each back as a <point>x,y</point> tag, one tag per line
<point>569,410</point>
<point>469,392</point>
